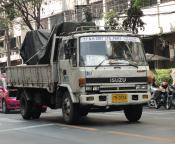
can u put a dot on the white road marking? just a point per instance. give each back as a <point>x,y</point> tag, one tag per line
<point>160,113</point>
<point>24,128</point>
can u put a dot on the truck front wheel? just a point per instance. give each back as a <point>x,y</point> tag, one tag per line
<point>133,112</point>
<point>69,109</point>
<point>25,107</point>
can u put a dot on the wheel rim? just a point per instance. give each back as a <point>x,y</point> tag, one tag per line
<point>156,104</point>
<point>66,108</point>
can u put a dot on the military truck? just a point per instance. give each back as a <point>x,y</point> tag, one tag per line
<point>86,70</point>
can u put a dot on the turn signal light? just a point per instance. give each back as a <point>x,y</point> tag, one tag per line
<point>82,82</point>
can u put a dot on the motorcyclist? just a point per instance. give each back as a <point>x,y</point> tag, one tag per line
<point>155,89</point>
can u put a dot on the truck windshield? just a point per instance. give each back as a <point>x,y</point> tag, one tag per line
<point>107,50</point>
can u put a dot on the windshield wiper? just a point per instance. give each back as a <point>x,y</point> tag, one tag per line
<point>100,64</point>
<point>130,63</point>
<point>133,64</point>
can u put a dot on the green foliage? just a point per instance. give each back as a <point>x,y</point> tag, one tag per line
<point>28,10</point>
<point>162,75</point>
<point>111,19</point>
<point>10,11</point>
<point>133,20</point>
<point>137,3</point>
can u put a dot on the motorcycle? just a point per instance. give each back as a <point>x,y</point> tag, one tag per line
<point>154,91</point>
<point>164,97</point>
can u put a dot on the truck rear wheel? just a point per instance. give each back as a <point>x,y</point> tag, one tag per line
<point>25,106</point>
<point>36,112</point>
<point>133,112</point>
<point>69,109</point>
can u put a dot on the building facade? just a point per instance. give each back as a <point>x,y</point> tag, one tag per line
<point>159,19</point>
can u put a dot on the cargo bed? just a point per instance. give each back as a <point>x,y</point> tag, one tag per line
<point>32,76</point>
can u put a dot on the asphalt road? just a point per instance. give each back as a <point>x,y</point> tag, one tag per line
<point>155,127</point>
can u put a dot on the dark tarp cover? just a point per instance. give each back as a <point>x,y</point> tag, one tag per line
<point>42,42</point>
<point>34,41</point>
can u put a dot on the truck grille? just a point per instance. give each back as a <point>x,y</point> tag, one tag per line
<point>114,88</point>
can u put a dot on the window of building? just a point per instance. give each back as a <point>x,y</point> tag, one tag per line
<point>164,1</point>
<point>69,15</point>
<point>117,5</point>
<point>146,3</point>
<point>13,42</point>
<point>97,9</point>
<point>56,19</point>
<point>80,12</point>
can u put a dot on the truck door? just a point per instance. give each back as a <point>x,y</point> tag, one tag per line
<point>68,63</point>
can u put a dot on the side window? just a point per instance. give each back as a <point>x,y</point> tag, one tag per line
<point>73,51</point>
<point>68,50</point>
<point>61,53</point>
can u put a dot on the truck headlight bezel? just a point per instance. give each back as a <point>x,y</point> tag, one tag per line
<point>92,88</point>
<point>141,87</point>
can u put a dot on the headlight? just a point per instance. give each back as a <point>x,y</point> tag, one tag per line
<point>89,88</point>
<point>141,87</point>
<point>92,88</point>
<point>96,88</point>
<point>82,82</point>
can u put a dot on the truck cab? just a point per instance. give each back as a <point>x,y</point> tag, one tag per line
<point>105,71</point>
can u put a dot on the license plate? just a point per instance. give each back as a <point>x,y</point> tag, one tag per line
<point>119,98</point>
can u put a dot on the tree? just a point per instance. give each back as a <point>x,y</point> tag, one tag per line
<point>133,20</point>
<point>4,27</point>
<point>28,10</point>
<point>111,19</point>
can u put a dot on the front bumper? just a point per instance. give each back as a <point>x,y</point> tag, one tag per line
<point>107,99</point>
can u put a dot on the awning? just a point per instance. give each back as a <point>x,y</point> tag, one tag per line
<point>153,57</point>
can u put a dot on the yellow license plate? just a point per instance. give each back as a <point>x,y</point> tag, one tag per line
<point>119,98</point>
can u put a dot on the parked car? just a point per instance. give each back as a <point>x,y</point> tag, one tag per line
<point>8,97</point>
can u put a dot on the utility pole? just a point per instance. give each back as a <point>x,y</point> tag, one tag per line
<point>158,17</point>
<point>7,46</point>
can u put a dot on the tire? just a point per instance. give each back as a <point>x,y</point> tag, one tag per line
<point>83,113</point>
<point>168,103</point>
<point>36,112</point>
<point>4,107</point>
<point>25,106</point>
<point>70,110</point>
<point>133,112</point>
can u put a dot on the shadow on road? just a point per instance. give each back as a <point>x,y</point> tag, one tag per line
<point>91,120</point>
<point>12,112</point>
